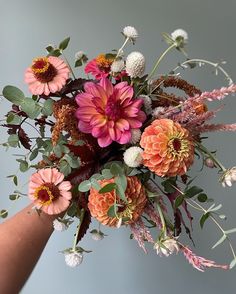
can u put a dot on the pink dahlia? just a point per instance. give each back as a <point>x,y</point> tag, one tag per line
<point>109,112</point>
<point>99,67</point>
<point>49,192</point>
<point>46,75</point>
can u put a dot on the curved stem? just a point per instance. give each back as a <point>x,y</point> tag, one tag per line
<point>121,48</point>
<point>71,70</point>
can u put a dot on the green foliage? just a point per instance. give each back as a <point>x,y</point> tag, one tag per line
<point>202,197</point>
<point>63,45</point>
<point>204,218</point>
<point>13,94</point>
<point>108,188</point>
<point>112,211</point>
<point>47,107</point>
<point>3,213</point>
<point>178,201</point>
<point>193,191</point>
<point>13,119</point>
<point>13,140</point>
<point>84,186</point>
<point>30,107</point>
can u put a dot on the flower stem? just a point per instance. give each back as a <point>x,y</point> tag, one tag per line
<point>71,70</point>
<point>122,47</point>
<point>215,160</point>
<point>78,229</point>
<point>162,219</point>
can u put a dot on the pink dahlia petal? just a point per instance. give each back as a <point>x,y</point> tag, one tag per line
<point>125,137</point>
<point>84,99</point>
<point>96,91</point>
<point>84,127</point>
<point>104,141</point>
<point>107,86</point>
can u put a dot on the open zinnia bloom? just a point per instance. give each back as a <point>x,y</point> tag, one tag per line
<point>99,204</point>
<point>49,192</point>
<point>168,148</point>
<point>46,75</point>
<point>99,67</point>
<point>109,112</point>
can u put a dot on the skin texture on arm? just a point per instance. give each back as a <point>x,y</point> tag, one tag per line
<point>22,240</point>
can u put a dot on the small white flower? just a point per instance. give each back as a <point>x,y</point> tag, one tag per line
<point>97,235</point>
<point>180,36</point>
<point>79,55</point>
<point>135,136</point>
<point>147,103</point>
<point>59,226</point>
<point>130,32</point>
<point>117,66</point>
<point>73,259</point>
<point>133,156</point>
<point>229,177</point>
<point>135,64</point>
<point>166,247</point>
<point>157,111</point>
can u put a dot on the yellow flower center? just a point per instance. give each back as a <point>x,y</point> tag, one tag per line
<point>178,147</point>
<point>43,70</point>
<point>103,62</point>
<point>46,193</point>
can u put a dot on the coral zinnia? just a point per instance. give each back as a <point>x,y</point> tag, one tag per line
<point>49,192</point>
<point>99,204</point>
<point>99,67</point>
<point>46,75</point>
<point>168,148</point>
<point>108,112</point>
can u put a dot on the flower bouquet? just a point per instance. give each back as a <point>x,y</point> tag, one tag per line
<point>117,146</point>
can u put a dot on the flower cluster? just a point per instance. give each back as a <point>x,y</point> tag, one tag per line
<point>118,146</point>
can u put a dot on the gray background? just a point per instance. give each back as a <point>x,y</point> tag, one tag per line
<point>117,265</point>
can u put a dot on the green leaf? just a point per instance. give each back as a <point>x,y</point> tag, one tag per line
<point>63,45</point>
<point>121,193</point>
<point>178,201</point>
<point>112,211</point>
<point>14,197</point>
<point>15,180</point>
<point>84,186</point>
<point>202,197</point>
<point>57,151</point>
<point>78,63</point>
<point>33,154</point>
<point>47,107</point>
<point>107,174</point>
<point>3,213</point>
<point>13,119</point>
<point>107,188</point>
<point>79,143</point>
<point>31,108</point>
<point>204,218</point>
<point>221,240</point>
<point>64,167</point>
<point>73,161</point>
<point>194,190</point>
<point>56,53</point>
<point>24,166</point>
<point>13,140</point>
<point>233,263</point>
<point>95,184</point>
<point>116,169</point>
<point>168,186</point>
<point>110,56</point>
<point>230,231</point>
<point>13,94</point>
<point>49,48</point>
<point>72,210</point>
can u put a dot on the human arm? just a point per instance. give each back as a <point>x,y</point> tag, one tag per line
<point>22,240</point>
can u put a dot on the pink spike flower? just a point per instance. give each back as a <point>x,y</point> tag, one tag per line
<point>109,112</point>
<point>49,192</point>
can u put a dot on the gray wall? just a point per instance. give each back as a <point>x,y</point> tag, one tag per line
<point>117,265</point>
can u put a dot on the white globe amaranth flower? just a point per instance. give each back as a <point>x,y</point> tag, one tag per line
<point>117,66</point>
<point>180,36</point>
<point>130,32</point>
<point>135,136</point>
<point>73,259</point>
<point>135,64</point>
<point>166,247</point>
<point>59,226</point>
<point>133,156</point>
<point>157,111</point>
<point>228,177</point>
<point>79,55</point>
<point>147,103</point>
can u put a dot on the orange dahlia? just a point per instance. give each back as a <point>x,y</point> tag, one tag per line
<point>99,204</point>
<point>168,148</point>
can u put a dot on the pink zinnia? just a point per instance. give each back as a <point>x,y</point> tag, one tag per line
<point>46,75</point>
<point>108,112</point>
<point>49,192</point>
<point>99,67</point>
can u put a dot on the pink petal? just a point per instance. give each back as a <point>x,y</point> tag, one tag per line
<point>96,91</point>
<point>84,99</point>
<point>104,141</point>
<point>107,86</point>
<point>65,186</point>
<point>66,195</point>
<point>125,137</point>
<point>122,124</point>
<point>46,175</point>
<point>85,113</point>
<point>84,127</point>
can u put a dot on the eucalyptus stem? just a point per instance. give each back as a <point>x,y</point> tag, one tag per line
<point>162,219</point>
<point>122,47</point>
<point>215,160</point>
<point>78,229</point>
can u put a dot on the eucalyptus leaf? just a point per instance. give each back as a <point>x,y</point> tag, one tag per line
<point>24,166</point>
<point>15,180</point>
<point>13,119</point>
<point>204,218</point>
<point>31,108</point>
<point>64,167</point>
<point>33,154</point>
<point>84,186</point>
<point>112,211</point>
<point>107,174</point>
<point>47,107</point>
<point>107,188</point>
<point>14,197</point>
<point>3,213</point>
<point>202,197</point>
<point>194,190</point>
<point>13,140</point>
<point>178,201</point>
<point>13,94</point>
